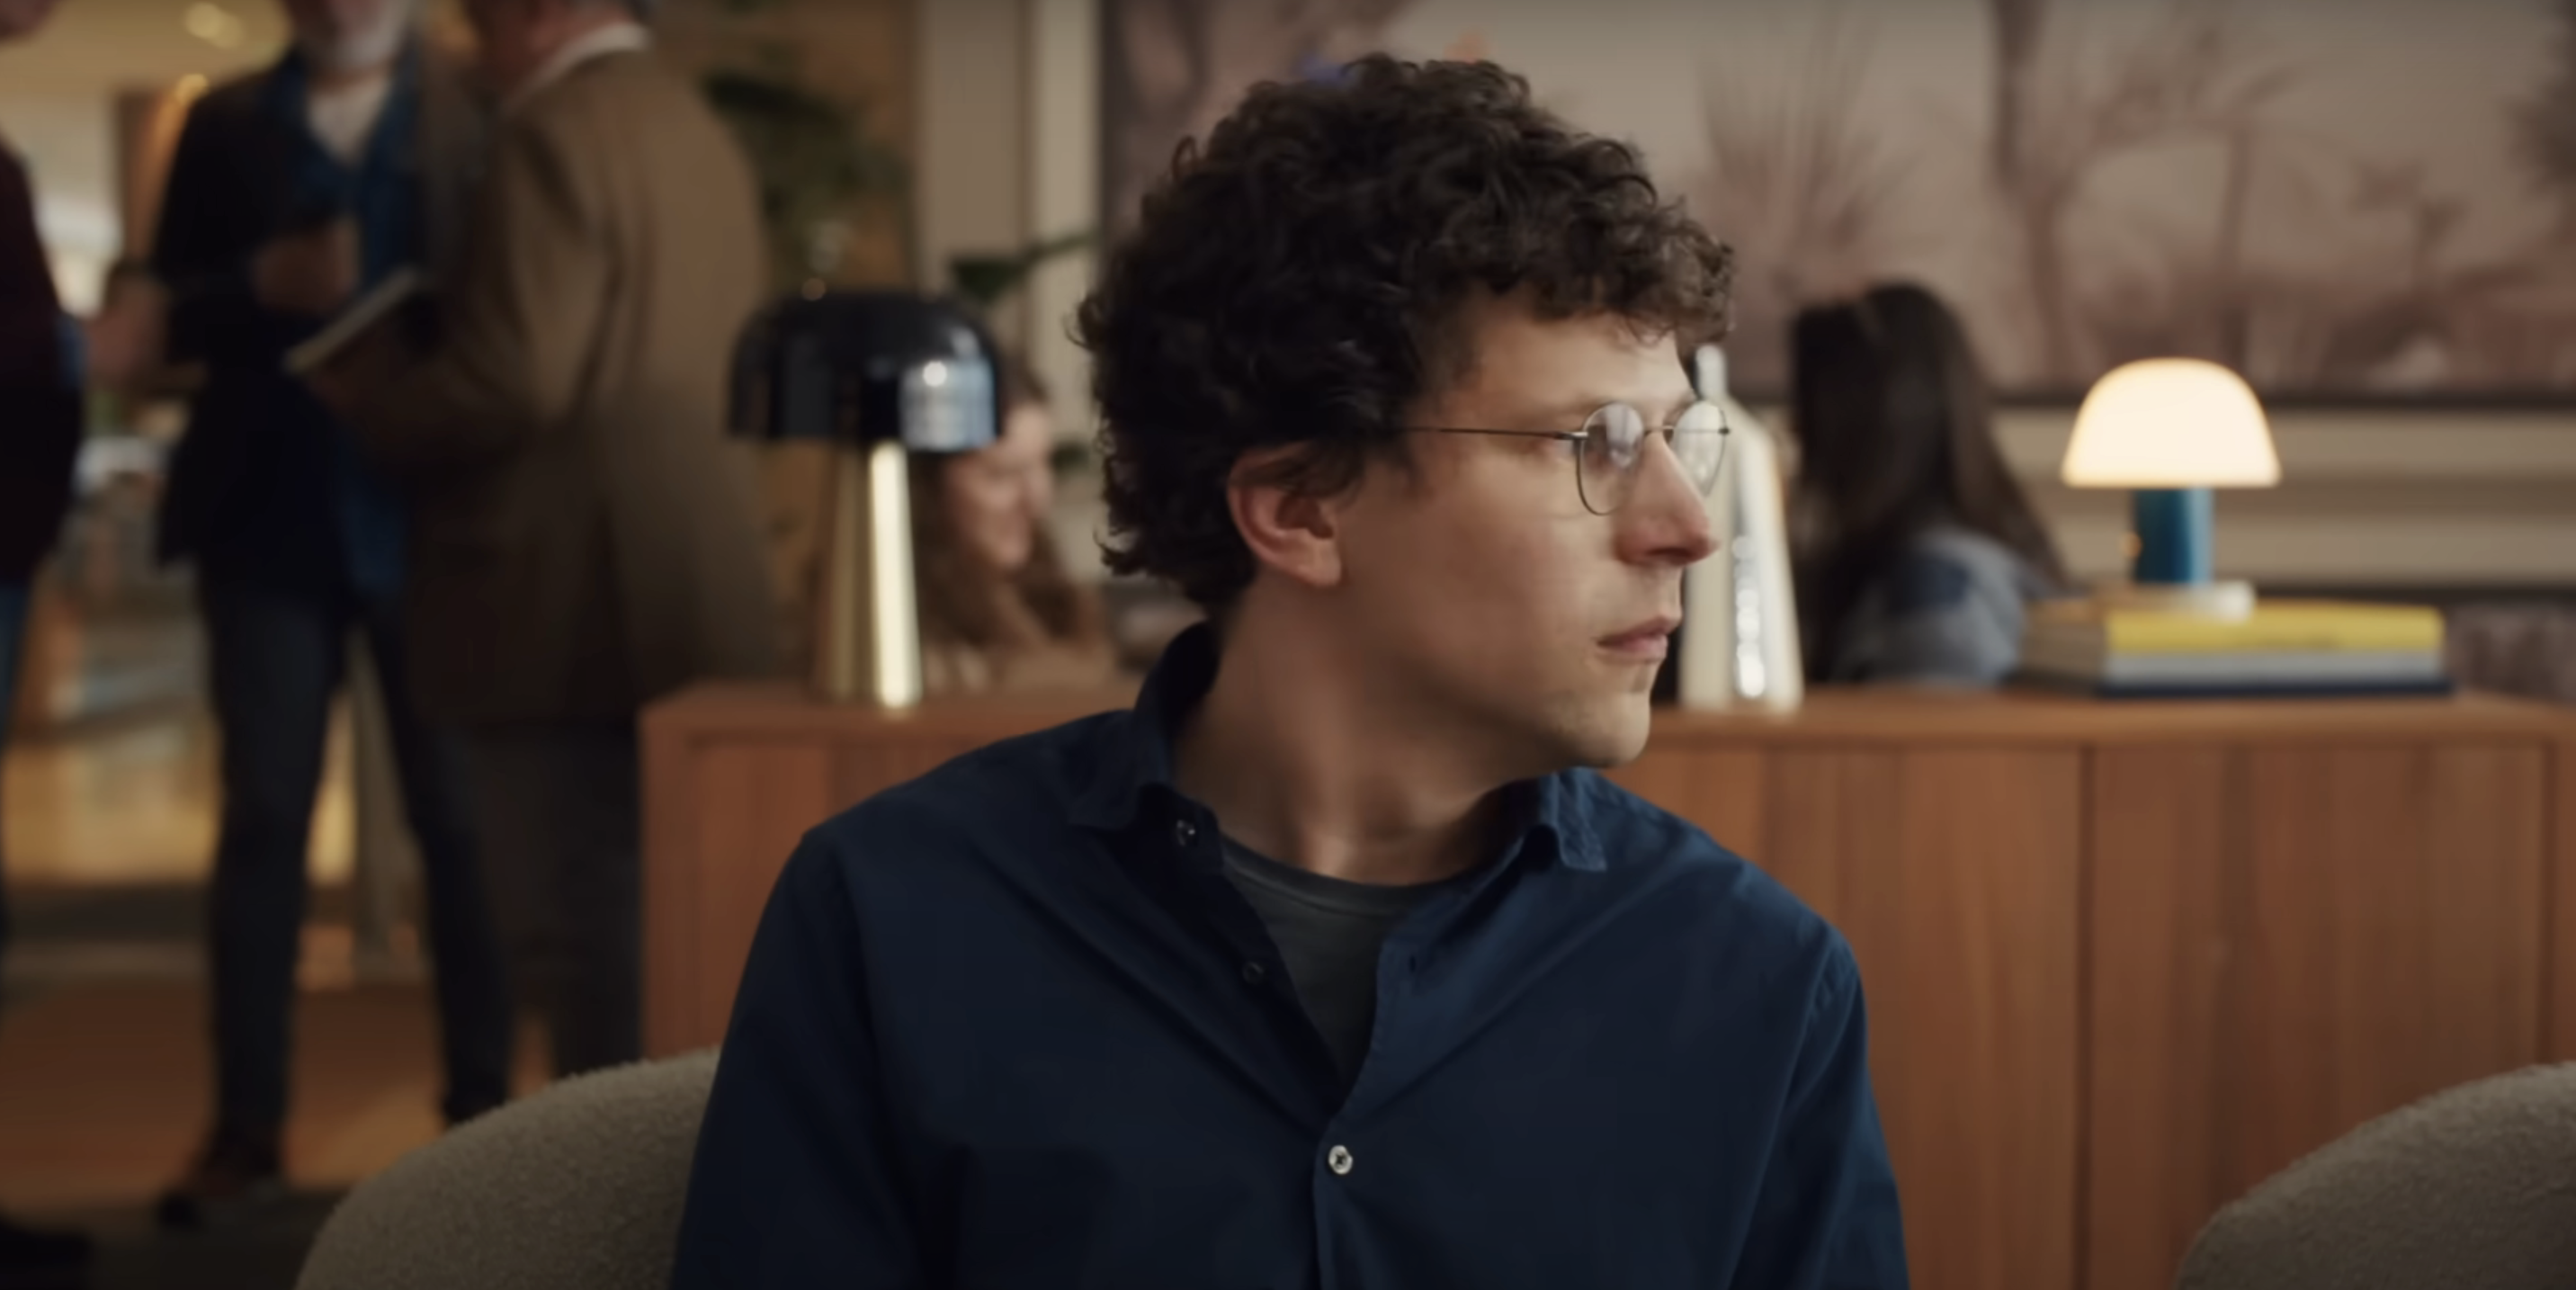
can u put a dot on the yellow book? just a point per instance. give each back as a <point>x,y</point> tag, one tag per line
<point>2316,626</point>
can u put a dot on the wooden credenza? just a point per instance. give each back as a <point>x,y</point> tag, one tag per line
<point>2122,961</point>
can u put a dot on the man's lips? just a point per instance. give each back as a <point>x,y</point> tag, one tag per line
<point>1645,642</point>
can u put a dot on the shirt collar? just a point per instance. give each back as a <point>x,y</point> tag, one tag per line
<point>1134,759</point>
<point>615,38</point>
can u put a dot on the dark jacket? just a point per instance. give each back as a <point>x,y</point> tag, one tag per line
<point>251,478</point>
<point>40,419</point>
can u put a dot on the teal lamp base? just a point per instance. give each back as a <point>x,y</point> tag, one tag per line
<point>2169,568</point>
<point>2173,527</point>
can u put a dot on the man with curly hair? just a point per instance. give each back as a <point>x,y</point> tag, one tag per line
<point>1332,963</point>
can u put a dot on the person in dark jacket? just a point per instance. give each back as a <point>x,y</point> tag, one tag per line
<point>290,191</point>
<point>40,429</point>
<point>40,398</point>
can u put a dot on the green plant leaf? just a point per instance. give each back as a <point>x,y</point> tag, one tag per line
<point>986,280</point>
<point>814,157</point>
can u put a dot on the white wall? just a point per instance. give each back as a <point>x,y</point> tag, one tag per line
<point>970,85</point>
<point>1063,192</point>
<point>1008,112</point>
<point>69,143</point>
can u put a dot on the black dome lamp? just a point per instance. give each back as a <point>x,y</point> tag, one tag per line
<point>879,375</point>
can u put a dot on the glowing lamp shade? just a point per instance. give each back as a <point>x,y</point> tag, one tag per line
<point>2172,429</point>
<point>2171,423</point>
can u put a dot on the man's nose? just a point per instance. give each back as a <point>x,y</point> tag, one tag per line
<point>1666,519</point>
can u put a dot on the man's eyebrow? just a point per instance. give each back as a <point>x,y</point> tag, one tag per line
<point>1573,412</point>
<point>1570,413</point>
<point>1660,413</point>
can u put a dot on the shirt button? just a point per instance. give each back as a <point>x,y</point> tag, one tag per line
<point>1184,832</point>
<point>1338,1160</point>
<point>1255,974</point>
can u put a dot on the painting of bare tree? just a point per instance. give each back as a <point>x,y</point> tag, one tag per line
<point>1175,67</point>
<point>2344,199</point>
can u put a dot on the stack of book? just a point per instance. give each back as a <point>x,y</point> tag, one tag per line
<point>2285,647</point>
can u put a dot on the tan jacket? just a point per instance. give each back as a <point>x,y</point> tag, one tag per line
<point>586,537</point>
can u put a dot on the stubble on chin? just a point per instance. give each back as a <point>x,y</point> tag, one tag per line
<point>1599,731</point>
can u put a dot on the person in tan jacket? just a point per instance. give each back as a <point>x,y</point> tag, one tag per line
<point>588,537</point>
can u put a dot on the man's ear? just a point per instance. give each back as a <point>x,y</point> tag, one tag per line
<point>1289,529</point>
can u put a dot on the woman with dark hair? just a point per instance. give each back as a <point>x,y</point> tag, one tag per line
<point>998,609</point>
<point>1917,553</point>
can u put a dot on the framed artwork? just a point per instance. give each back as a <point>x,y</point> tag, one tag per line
<point>2350,201</point>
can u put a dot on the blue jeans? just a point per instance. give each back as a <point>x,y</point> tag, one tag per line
<point>14,597</point>
<point>275,659</point>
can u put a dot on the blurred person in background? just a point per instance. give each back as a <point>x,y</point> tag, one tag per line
<point>999,611</point>
<point>589,536</point>
<point>290,191</point>
<point>40,431</point>
<point>1917,553</point>
<point>127,337</point>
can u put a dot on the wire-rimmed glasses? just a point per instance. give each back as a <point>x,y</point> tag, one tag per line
<point>1611,447</point>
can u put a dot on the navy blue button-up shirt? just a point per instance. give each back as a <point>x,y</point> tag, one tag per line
<point>1009,1025</point>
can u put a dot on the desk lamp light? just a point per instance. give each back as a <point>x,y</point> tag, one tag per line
<point>880,375</point>
<point>2171,430</point>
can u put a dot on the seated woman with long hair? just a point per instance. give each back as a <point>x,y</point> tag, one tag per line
<point>998,609</point>
<point>1916,552</point>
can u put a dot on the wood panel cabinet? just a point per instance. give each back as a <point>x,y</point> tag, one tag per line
<point>2559,987</point>
<point>1954,874</point>
<point>2288,941</point>
<point>2122,961</point>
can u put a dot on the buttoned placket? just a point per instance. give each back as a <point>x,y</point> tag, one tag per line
<point>1408,960</point>
<point>1185,842</point>
<point>1335,1158</point>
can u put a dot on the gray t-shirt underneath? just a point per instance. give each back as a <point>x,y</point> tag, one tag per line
<point>1330,932</point>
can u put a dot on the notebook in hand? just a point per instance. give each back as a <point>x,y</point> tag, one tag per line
<point>399,286</point>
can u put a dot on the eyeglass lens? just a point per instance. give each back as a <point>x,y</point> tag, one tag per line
<point>1614,445</point>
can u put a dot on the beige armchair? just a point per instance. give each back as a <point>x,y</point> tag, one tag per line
<point>2473,1188</point>
<point>577,1188</point>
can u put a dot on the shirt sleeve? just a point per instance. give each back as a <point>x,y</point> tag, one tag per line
<point>40,408</point>
<point>793,1183</point>
<point>1828,1218</point>
<point>214,316</point>
<point>28,312</point>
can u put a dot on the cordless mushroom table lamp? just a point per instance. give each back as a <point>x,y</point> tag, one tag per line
<point>880,375</point>
<point>2171,430</point>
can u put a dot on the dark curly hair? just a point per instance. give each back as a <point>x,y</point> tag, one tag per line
<point>1297,280</point>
